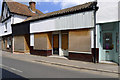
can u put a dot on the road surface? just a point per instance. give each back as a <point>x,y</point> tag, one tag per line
<point>13,68</point>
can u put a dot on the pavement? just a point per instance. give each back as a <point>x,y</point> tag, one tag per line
<point>65,62</point>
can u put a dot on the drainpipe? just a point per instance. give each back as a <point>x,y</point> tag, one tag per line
<point>95,32</point>
<point>119,44</point>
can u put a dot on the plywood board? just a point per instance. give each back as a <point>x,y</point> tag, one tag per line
<point>64,41</point>
<point>40,41</point>
<point>80,40</point>
<point>27,44</point>
<point>19,43</point>
<point>55,41</point>
<point>49,40</point>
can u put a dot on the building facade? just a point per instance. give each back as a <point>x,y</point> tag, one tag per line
<point>12,13</point>
<point>68,32</point>
<point>108,30</point>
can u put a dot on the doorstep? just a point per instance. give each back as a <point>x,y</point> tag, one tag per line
<point>108,62</point>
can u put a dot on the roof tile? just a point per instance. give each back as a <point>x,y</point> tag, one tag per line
<point>21,9</point>
<point>64,11</point>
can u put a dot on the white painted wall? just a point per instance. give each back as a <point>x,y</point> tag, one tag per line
<point>9,30</point>
<point>13,20</point>
<point>108,11</point>
<point>74,21</point>
<point>18,19</point>
<point>31,39</point>
<point>42,26</point>
<point>119,10</point>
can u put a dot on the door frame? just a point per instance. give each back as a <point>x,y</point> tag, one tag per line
<point>55,33</point>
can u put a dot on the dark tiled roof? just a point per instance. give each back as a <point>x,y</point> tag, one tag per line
<point>21,9</point>
<point>83,7</point>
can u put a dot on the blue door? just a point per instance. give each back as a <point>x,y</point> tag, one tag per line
<point>108,45</point>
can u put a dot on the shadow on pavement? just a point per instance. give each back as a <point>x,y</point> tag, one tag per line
<point>7,75</point>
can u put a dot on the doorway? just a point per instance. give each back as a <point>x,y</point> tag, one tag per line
<point>109,42</point>
<point>55,44</point>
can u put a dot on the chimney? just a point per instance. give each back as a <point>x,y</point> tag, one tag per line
<point>32,5</point>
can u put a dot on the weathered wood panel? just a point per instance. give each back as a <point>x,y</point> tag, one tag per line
<point>43,41</point>
<point>19,43</point>
<point>27,43</point>
<point>64,41</point>
<point>80,40</point>
<point>40,41</point>
<point>55,41</point>
<point>49,39</point>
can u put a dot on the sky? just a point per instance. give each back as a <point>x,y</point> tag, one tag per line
<point>47,6</point>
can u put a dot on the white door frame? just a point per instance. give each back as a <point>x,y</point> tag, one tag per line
<point>60,42</point>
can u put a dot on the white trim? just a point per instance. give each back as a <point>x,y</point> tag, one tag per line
<point>32,40</point>
<point>80,52</point>
<point>60,44</point>
<point>92,38</point>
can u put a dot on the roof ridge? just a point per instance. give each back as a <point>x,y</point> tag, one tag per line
<point>72,7</point>
<point>63,10</point>
<point>18,3</point>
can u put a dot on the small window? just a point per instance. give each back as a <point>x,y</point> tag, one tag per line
<point>107,41</point>
<point>5,27</point>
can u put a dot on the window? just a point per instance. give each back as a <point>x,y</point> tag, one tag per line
<point>5,30</point>
<point>107,41</point>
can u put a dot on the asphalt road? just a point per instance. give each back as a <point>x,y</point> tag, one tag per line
<point>12,68</point>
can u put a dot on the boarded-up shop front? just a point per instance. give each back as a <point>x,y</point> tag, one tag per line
<point>71,32</point>
<point>42,44</point>
<point>80,44</point>
<point>22,44</point>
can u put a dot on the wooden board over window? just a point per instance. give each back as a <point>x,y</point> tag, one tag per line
<point>55,41</point>
<point>42,41</point>
<point>19,43</point>
<point>49,39</point>
<point>80,40</point>
<point>64,41</point>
